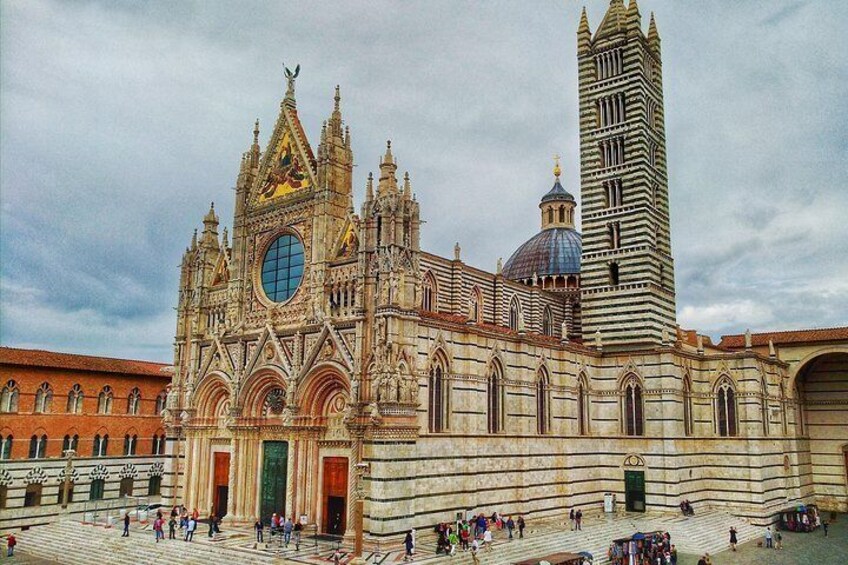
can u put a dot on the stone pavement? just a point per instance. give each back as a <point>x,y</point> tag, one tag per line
<point>798,549</point>
<point>74,543</point>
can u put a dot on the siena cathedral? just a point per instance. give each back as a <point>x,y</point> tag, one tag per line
<point>322,355</point>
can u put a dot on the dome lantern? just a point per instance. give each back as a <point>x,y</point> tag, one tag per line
<point>558,204</point>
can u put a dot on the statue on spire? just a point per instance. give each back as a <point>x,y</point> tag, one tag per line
<point>290,76</point>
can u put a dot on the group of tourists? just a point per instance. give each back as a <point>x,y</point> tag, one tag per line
<point>180,517</point>
<point>289,529</point>
<point>643,549</point>
<point>473,534</point>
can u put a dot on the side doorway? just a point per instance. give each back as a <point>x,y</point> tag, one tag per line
<point>634,491</point>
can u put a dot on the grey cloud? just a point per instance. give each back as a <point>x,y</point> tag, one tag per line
<point>120,122</point>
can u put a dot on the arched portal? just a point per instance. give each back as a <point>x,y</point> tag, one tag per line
<point>324,467</point>
<point>821,425</point>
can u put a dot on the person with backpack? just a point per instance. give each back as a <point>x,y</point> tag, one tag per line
<point>407,545</point>
<point>287,531</point>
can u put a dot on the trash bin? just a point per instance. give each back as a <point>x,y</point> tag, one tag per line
<point>609,502</point>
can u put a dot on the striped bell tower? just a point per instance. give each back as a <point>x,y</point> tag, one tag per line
<point>627,272</point>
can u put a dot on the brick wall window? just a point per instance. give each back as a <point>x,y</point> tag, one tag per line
<point>44,398</point>
<point>9,397</point>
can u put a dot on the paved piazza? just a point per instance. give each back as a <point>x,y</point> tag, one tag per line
<point>694,536</point>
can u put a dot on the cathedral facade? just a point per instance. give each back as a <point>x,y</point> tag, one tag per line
<point>322,355</point>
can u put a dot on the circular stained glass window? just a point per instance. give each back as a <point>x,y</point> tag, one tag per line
<point>282,268</point>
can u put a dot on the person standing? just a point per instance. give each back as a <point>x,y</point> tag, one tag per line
<point>510,525</point>
<point>159,528</point>
<point>578,519</point>
<point>126,533</point>
<point>11,542</point>
<point>824,527</point>
<point>487,540</point>
<point>453,539</point>
<point>407,546</point>
<point>192,525</point>
<point>288,528</point>
<point>298,528</point>
<point>172,527</point>
<point>733,540</point>
<point>769,542</point>
<point>520,527</point>
<point>260,530</point>
<point>474,548</point>
<point>673,554</point>
<point>778,538</point>
<point>211,524</point>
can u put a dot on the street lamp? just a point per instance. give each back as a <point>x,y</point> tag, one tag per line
<point>69,470</point>
<point>361,469</point>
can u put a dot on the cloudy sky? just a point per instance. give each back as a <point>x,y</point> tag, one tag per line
<point>119,122</point>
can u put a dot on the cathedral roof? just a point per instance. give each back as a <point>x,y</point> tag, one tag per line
<point>557,193</point>
<point>54,359</point>
<point>553,251</point>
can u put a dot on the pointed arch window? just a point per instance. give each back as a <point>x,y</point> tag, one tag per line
<point>160,402</point>
<point>495,400</point>
<point>475,310</point>
<point>100,448</point>
<point>582,406</point>
<point>687,406</point>
<point>158,444</point>
<point>514,314</point>
<point>429,297</point>
<point>634,421</point>
<point>9,397</point>
<point>70,442</point>
<point>44,398</point>
<point>438,399</point>
<point>130,442</point>
<point>725,406</point>
<point>104,400</point>
<point>6,447</point>
<point>548,321</point>
<point>75,400</point>
<point>543,412</point>
<point>134,402</point>
<point>37,447</point>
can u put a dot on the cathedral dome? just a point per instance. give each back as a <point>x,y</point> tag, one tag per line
<point>556,249</point>
<point>551,252</point>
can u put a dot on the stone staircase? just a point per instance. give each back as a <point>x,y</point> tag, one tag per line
<point>77,544</point>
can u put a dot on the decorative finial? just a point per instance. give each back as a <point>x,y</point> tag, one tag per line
<point>557,169</point>
<point>748,340</point>
<point>457,250</point>
<point>337,98</point>
<point>256,131</point>
<point>499,267</point>
<point>290,76</point>
<point>772,352</point>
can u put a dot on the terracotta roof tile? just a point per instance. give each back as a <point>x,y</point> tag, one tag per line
<point>56,360</point>
<point>785,337</point>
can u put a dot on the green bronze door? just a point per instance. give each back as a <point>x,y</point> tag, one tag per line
<point>634,491</point>
<point>275,464</point>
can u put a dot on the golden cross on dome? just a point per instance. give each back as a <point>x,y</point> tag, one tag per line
<point>557,170</point>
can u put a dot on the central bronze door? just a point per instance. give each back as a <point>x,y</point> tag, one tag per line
<point>274,470</point>
<point>335,495</point>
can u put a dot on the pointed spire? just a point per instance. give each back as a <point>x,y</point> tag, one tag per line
<point>194,240</point>
<point>210,217</point>
<point>407,186</point>
<point>388,182</point>
<point>337,99</point>
<point>613,19</point>
<point>634,18</point>
<point>584,34</point>
<point>254,148</point>
<point>369,187</point>
<point>653,35</point>
<point>225,239</point>
<point>256,132</point>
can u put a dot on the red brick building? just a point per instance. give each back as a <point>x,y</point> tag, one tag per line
<point>106,410</point>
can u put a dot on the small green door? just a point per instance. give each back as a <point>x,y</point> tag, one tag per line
<point>275,466</point>
<point>634,491</point>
